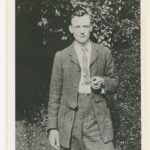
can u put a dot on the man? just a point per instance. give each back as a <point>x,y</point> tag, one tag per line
<point>83,73</point>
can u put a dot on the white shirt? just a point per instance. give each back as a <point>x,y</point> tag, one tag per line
<point>83,88</point>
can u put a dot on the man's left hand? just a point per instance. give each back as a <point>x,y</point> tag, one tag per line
<point>97,82</point>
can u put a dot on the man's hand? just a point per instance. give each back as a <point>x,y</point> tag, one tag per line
<point>97,82</point>
<point>54,139</point>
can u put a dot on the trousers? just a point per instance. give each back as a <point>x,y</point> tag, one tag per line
<point>85,132</point>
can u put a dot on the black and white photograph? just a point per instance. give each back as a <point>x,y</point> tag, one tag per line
<point>78,75</point>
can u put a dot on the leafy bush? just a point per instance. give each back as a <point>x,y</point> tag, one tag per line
<point>32,136</point>
<point>127,99</point>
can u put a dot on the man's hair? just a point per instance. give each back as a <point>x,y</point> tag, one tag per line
<point>80,10</point>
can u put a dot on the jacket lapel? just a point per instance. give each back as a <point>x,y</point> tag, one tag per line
<point>74,58</point>
<point>73,55</point>
<point>94,53</point>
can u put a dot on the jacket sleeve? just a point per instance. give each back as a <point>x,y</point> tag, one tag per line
<point>110,80</point>
<point>55,93</point>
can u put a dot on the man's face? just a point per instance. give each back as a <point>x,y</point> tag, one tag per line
<point>80,28</point>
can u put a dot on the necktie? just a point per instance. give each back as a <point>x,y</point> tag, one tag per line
<point>86,75</point>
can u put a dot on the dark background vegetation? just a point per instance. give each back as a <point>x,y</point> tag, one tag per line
<point>41,30</point>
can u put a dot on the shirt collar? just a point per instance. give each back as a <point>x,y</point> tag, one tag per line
<point>78,47</point>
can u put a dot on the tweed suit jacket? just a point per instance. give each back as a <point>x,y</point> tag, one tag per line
<point>63,97</point>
